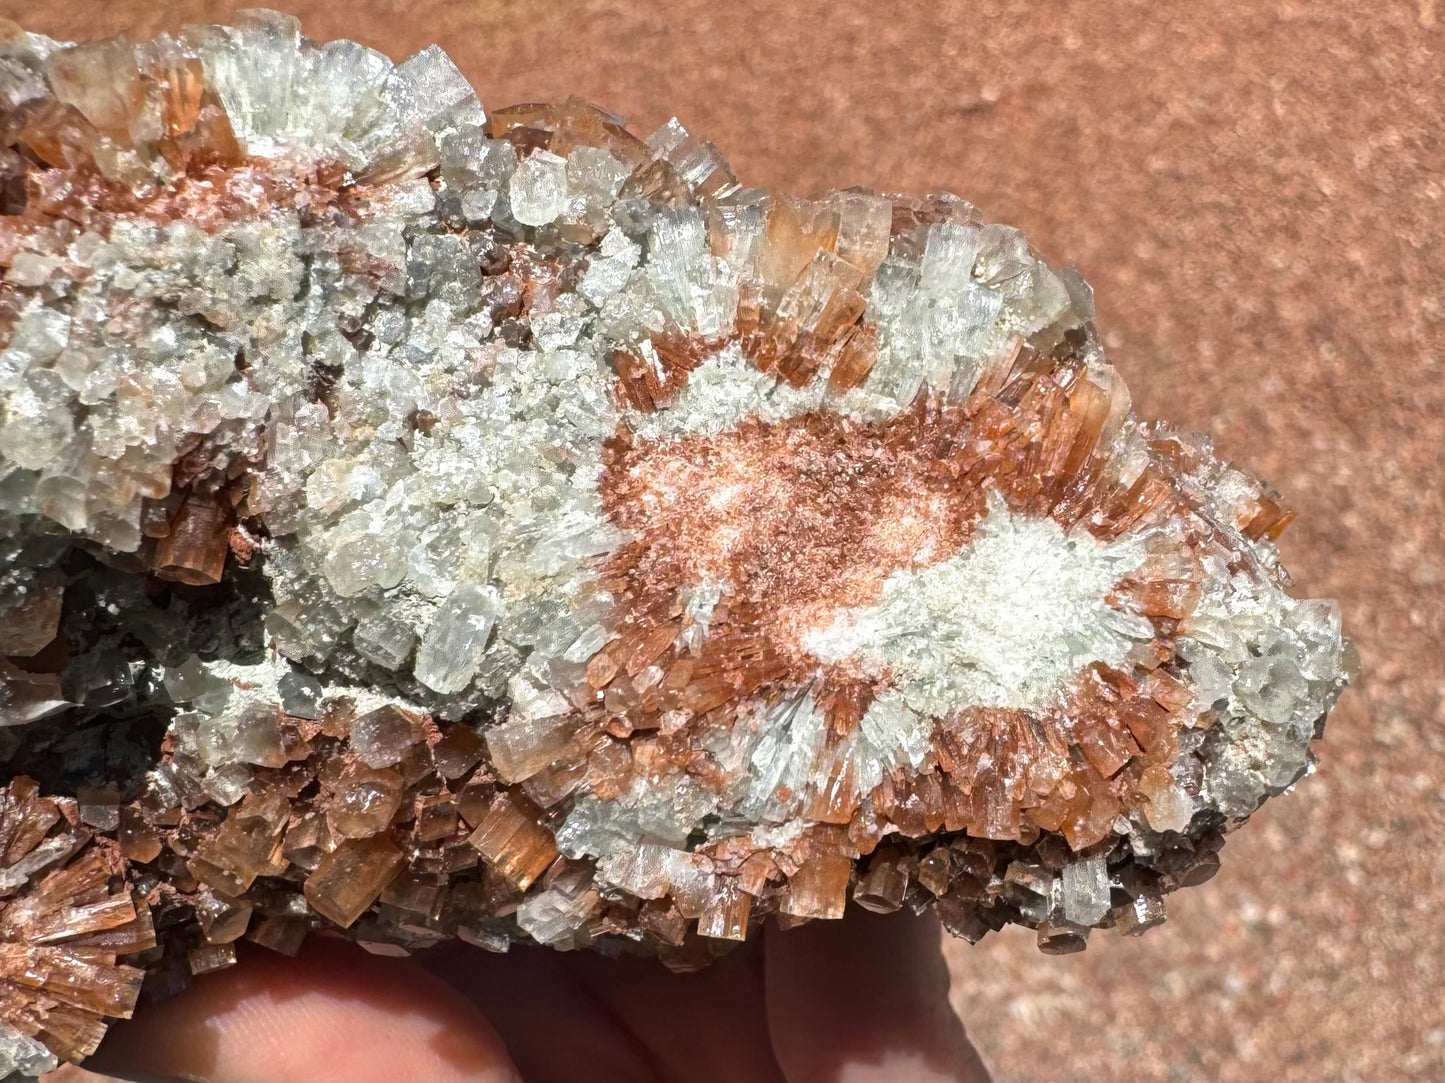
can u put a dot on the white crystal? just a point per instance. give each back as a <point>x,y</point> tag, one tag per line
<point>555,916</point>
<point>1170,809</point>
<point>384,640</point>
<point>1086,890</point>
<point>358,562</point>
<point>539,188</point>
<point>792,735</point>
<point>23,1055</point>
<point>451,649</point>
<point>438,92</point>
<point>1004,623</point>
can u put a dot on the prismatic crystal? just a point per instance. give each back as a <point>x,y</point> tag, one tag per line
<point>426,524</point>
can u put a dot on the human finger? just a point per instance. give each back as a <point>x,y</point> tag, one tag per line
<point>865,998</point>
<point>332,1013</point>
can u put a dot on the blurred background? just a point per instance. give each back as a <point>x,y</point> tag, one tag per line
<point>1257,192</point>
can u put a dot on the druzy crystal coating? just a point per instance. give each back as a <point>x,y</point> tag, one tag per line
<point>422,523</point>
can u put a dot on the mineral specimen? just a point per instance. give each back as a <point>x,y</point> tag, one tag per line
<point>425,524</point>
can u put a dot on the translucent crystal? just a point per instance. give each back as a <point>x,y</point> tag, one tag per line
<point>251,735</point>
<point>301,694</point>
<point>22,1055</point>
<point>438,92</point>
<point>1141,915</point>
<point>538,189</point>
<point>364,801</point>
<point>384,640</point>
<point>350,879</point>
<point>383,736</point>
<point>1272,688</point>
<point>819,888</point>
<point>726,918</point>
<point>222,920</point>
<point>227,784</point>
<point>362,561</point>
<point>451,649</point>
<point>1086,890</point>
<point>557,915</point>
<point>510,838</point>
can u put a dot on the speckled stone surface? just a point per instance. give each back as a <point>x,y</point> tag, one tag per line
<point>1255,193</point>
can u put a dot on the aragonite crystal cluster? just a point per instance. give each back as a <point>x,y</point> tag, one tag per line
<point>421,523</point>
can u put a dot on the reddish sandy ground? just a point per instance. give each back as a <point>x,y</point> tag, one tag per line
<point>1256,191</point>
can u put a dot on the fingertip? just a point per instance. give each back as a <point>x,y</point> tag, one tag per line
<point>332,1013</point>
<point>865,998</point>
